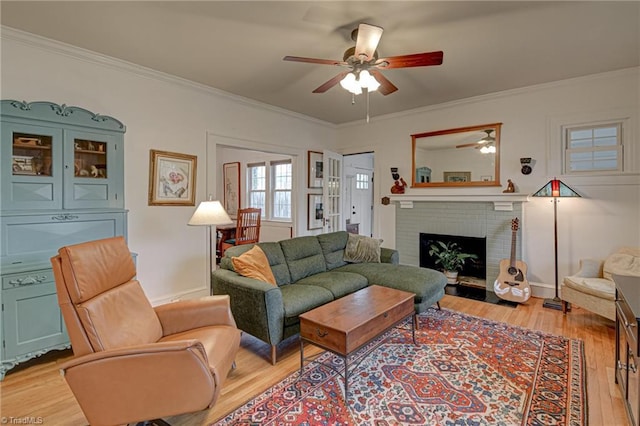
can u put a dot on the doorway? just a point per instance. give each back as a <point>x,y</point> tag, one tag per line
<point>358,203</point>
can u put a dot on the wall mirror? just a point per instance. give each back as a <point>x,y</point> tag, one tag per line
<point>466,156</point>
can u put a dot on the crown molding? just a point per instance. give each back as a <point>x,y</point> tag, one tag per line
<point>633,71</point>
<point>81,54</point>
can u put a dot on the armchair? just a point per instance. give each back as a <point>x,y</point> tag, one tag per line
<point>592,287</point>
<point>133,362</point>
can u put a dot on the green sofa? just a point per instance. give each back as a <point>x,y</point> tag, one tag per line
<point>310,271</point>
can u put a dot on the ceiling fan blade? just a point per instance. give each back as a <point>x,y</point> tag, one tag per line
<point>313,60</point>
<point>329,84</point>
<point>367,41</point>
<point>476,144</point>
<point>386,87</point>
<point>414,60</point>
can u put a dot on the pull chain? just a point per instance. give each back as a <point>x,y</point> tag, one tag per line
<point>367,94</point>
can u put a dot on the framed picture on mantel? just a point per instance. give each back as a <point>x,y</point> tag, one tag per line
<point>457,177</point>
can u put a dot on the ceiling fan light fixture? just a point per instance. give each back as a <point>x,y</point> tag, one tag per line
<point>354,84</point>
<point>368,81</point>
<point>350,84</point>
<point>488,149</point>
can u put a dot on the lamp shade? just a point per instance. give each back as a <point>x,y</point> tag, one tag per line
<point>555,188</point>
<point>210,213</point>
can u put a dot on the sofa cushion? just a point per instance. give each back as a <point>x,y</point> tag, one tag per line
<point>300,298</point>
<point>599,287</point>
<point>278,264</point>
<point>304,257</point>
<point>333,245</point>
<point>254,264</point>
<point>362,249</point>
<point>423,282</point>
<point>338,283</point>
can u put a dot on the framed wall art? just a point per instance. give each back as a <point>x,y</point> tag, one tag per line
<point>315,211</point>
<point>172,179</point>
<point>231,191</point>
<point>314,169</point>
<point>457,177</point>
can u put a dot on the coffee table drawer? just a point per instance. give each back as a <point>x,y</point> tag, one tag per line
<point>344,340</point>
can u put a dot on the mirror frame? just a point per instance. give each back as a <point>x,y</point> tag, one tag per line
<point>496,175</point>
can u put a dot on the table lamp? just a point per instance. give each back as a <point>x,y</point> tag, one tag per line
<point>210,213</point>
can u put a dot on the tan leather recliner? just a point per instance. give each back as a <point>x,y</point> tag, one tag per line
<point>133,362</point>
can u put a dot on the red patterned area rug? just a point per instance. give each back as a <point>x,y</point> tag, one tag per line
<point>464,371</point>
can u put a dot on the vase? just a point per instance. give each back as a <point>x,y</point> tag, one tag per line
<point>452,277</point>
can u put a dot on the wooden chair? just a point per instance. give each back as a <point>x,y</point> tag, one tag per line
<point>247,229</point>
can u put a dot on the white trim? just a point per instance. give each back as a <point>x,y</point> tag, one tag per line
<point>501,202</point>
<point>628,116</point>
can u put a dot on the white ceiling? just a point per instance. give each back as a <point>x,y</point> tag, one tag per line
<point>238,46</point>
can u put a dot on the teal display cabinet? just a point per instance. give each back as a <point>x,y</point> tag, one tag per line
<point>61,183</point>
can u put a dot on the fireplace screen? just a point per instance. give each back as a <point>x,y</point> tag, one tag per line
<point>474,271</point>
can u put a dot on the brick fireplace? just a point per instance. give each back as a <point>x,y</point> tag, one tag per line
<point>466,216</point>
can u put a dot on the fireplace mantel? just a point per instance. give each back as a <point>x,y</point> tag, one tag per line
<point>501,202</point>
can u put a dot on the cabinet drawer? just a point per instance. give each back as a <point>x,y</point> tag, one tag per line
<point>27,279</point>
<point>628,324</point>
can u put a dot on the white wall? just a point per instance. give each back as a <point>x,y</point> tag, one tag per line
<point>160,112</point>
<point>594,226</point>
<point>165,113</point>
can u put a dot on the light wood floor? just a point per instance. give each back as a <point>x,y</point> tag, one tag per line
<point>38,390</point>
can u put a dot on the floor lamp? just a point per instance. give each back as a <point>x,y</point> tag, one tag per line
<point>555,189</point>
<point>210,213</point>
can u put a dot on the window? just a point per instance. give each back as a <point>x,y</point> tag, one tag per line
<point>270,188</point>
<point>282,185</point>
<point>257,186</point>
<point>362,181</point>
<point>593,148</point>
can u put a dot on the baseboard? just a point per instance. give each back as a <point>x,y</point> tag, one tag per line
<point>542,290</point>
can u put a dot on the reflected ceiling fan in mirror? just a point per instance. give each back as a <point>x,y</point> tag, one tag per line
<point>364,66</point>
<point>486,145</point>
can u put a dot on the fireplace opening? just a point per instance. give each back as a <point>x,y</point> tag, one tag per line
<point>474,271</point>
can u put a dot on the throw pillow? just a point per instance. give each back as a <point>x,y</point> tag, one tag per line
<point>362,249</point>
<point>254,264</point>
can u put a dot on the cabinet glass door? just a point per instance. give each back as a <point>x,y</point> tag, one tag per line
<point>91,171</point>
<point>89,159</point>
<point>31,177</point>
<point>31,154</point>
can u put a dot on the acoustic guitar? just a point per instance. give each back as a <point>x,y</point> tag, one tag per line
<point>512,284</point>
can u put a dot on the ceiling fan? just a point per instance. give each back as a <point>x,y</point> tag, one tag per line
<point>486,145</point>
<point>364,66</point>
<point>485,140</point>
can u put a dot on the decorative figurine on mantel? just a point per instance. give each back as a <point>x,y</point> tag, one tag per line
<point>510,187</point>
<point>398,186</point>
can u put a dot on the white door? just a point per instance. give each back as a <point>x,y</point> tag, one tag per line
<point>332,192</point>
<point>361,200</point>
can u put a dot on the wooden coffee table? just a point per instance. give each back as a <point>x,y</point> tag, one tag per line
<point>345,325</point>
